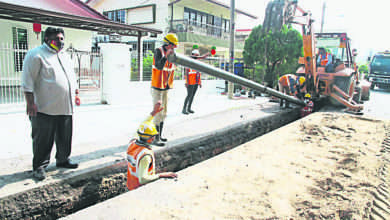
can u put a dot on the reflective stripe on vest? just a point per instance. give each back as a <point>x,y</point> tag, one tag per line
<point>162,79</point>
<point>135,153</point>
<point>193,77</point>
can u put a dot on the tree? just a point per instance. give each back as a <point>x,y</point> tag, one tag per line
<point>277,51</point>
<point>363,68</point>
<point>147,66</point>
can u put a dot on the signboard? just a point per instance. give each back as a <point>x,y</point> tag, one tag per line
<point>328,42</point>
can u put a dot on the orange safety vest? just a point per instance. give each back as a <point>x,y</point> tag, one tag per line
<point>135,152</point>
<point>285,79</point>
<point>324,61</point>
<point>192,77</point>
<point>163,79</point>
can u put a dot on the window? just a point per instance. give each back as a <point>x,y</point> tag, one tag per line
<point>218,24</point>
<point>192,17</point>
<point>204,20</point>
<point>186,15</point>
<point>210,19</point>
<point>118,15</point>
<point>226,25</point>
<point>215,25</point>
<point>147,46</point>
<point>198,19</point>
<point>20,45</point>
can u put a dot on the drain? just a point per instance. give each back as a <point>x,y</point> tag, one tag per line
<point>68,196</point>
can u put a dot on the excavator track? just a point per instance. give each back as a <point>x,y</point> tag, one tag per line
<point>380,207</point>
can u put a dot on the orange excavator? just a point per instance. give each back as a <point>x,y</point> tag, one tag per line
<point>339,80</point>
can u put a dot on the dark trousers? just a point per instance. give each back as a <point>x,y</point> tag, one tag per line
<point>45,130</point>
<point>191,90</point>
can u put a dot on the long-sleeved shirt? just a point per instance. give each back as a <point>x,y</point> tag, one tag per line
<point>51,78</point>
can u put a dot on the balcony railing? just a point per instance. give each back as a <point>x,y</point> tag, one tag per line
<point>200,28</point>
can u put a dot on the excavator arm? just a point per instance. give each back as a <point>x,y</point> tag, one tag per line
<point>285,12</point>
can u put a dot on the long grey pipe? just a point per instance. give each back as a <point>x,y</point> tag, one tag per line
<point>211,70</point>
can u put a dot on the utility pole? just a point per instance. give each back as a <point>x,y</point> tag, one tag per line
<point>231,50</point>
<point>323,16</point>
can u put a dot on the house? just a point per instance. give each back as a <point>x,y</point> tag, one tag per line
<point>24,21</point>
<point>205,23</point>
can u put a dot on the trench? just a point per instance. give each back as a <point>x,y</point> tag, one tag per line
<point>53,201</point>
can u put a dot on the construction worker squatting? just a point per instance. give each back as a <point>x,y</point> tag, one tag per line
<point>140,156</point>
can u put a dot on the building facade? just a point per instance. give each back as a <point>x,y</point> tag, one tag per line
<point>205,23</point>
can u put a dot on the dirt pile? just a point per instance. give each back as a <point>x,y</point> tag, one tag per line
<point>325,166</point>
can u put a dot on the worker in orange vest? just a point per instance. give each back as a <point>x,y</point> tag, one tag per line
<point>140,156</point>
<point>309,108</point>
<point>323,58</point>
<point>192,81</point>
<point>162,81</point>
<point>293,85</point>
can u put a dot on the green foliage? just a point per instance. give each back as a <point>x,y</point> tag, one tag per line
<point>256,74</point>
<point>277,51</point>
<point>363,68</point>
<point>147,66</point>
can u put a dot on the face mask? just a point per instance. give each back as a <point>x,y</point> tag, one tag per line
<point>57,45</point>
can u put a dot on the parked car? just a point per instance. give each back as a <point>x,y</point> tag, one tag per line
<point>379,70</point>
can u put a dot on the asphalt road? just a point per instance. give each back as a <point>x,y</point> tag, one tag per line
<point>379,104</point>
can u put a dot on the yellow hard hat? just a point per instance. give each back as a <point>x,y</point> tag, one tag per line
<point>302,80</point>
<point>171,38</point>
<point>147,129</point>
<point>308,96</point>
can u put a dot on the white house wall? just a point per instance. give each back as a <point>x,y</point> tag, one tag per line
<point>161,23</point>
<point>202,6</point>
<point>80,39</point>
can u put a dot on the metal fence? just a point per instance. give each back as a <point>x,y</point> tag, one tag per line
<point>87,66</point>
<point>184,25</point>
<point>11,61</point>
<point>219,62</point>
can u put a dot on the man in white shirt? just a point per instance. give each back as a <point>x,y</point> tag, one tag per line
<point>49,85</point>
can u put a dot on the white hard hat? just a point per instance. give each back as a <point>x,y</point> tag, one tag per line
<point>196,51</point>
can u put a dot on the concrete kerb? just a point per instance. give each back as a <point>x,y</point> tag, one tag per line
<point>63,197</point>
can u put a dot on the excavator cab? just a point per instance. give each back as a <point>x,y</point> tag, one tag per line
<point>334,49</point>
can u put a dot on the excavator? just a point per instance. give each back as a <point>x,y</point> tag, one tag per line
<point>341,82</point>
<point>341,85</point>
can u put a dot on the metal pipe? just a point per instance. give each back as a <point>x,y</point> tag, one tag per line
<point>211,70</point>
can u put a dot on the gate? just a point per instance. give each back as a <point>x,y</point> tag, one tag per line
<point>88,69</point>
<point>87,66</point>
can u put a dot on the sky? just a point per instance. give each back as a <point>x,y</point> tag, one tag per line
<point>364,21</point>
